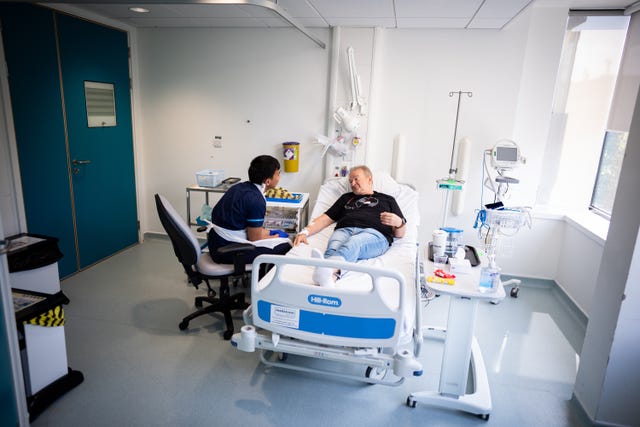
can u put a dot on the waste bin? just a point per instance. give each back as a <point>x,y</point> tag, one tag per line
<point>33,262</point>
<point>40,324</point>
<point>37,303</point>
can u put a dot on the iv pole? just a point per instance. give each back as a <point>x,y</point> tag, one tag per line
<point>451,183</point>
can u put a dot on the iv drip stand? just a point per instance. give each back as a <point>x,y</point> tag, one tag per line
<point>452,170</point>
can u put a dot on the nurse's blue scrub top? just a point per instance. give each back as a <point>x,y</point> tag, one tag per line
<point>242,206</point>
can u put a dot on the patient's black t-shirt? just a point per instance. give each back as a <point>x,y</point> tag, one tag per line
<point>352,210</point>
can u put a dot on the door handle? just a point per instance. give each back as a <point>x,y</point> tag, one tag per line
<point>80,162</point>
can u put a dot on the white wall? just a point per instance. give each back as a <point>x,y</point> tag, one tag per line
<point>420,68</point>
<point>256,88</point>
<point>512,75</point>
<point>578,265</point>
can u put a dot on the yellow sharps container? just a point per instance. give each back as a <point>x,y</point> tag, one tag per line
<point>291,153</point>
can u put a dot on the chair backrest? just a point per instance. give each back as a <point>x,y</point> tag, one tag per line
<point>185,245</point>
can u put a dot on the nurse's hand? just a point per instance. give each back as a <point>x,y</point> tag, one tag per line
<point>278,233</point>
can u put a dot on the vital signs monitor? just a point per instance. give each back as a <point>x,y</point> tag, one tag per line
<point>505,155</point>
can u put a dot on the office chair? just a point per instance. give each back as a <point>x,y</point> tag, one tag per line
<point>200,267</point>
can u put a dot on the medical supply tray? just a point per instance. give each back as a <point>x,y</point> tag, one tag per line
<point>470,253</point>
<point>297,197</point>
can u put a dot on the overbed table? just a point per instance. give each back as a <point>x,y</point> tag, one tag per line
<point>461,349</point>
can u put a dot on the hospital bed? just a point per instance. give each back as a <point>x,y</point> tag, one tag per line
<point>371,320</point>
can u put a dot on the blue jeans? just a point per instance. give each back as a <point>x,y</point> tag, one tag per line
<point>353,243</point>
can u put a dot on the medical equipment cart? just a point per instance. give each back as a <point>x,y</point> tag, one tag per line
<point>291,216</point>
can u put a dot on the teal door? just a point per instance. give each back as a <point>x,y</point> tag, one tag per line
<point>104,188</point>
<point>90,207</point>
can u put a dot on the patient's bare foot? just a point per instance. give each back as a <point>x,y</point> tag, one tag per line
<point>323,276</point>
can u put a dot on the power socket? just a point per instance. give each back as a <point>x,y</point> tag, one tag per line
<point>217,141</point>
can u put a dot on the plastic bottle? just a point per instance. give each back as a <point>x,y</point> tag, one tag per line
<point>453,242</point>
<point>489,277</point>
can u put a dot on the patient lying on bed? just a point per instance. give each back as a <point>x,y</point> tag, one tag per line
<point>366,223</point>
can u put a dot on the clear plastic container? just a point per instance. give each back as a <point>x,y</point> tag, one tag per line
<point>489,279</point>
<point>454,241</point>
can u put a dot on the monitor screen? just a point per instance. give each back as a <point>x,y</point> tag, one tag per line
<point>507,154</point>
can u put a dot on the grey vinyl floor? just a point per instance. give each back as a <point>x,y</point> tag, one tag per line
<point>140,370</point>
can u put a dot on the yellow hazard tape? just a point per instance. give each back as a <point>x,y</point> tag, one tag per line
<point>53,317</point>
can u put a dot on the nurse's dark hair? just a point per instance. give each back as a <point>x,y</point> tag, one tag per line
<point>262,167</point>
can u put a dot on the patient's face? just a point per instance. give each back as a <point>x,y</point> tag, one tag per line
<point>360,182</point>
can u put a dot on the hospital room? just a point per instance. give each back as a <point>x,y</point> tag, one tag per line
<point>503,135</point>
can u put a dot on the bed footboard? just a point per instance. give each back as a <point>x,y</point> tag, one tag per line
<point>364,316</point>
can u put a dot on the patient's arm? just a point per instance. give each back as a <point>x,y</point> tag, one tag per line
<point>315,226</point>
<point>399,232</point>
<point>395,221</point>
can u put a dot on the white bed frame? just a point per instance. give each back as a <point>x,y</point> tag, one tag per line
<point>355,325</point>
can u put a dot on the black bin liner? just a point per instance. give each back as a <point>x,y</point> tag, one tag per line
<point>30,256</point>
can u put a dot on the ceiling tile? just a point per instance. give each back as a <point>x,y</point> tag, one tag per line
<point>489,23</point>
<point>324,13</point>
<point>432,22</point>
<point>298,9</point>
<point>354,8</point>
<point>502,8</point>
<point>362,22</point>
<point>208,11</point>
<point>312,22</point>
<point>436,8</point>
<point>275,22</point>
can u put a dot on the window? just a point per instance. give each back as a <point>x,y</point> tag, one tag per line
<point>604,190</point>
<point>100,103</point>
<point>587,151</point>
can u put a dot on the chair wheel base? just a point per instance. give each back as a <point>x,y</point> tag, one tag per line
<point>183,325</point>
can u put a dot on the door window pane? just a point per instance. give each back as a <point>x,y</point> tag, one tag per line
<point>101,104</point>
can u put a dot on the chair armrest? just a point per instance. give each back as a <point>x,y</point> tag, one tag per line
<point>237,250</point>
<point>235,247</point>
